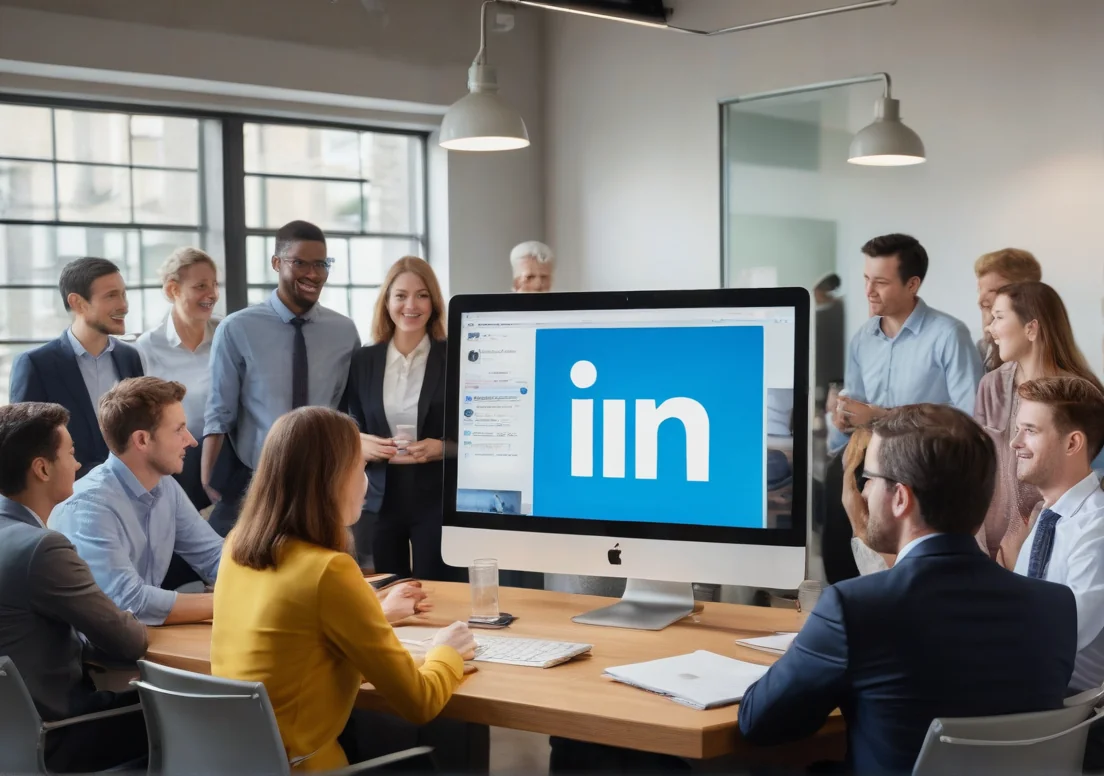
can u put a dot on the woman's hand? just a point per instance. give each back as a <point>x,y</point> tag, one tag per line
<point>374,448</point>
<point>404,601</point>
<point>853,501</point>
<point>425,450</point>
<point>459,637</point>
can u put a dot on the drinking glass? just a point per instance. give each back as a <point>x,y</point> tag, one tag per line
<point>483,580</point>
<point>404,435</point>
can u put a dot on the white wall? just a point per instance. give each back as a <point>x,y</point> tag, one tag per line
<point>314,59</point>
<point>1005,94</point>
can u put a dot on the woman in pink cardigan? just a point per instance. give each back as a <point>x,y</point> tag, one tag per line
<point>1032,330</point>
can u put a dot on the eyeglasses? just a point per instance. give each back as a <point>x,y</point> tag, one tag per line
<point>861,479</point>
<point>299,265</point>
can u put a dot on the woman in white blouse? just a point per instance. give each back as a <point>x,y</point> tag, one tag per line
<point>179,348</point>
<point>400,382</point>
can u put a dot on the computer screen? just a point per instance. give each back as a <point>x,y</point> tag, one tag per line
<point>672,416</point>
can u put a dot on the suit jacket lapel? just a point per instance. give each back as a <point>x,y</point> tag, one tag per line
<point>434,372</point>
<point>122,365</point>
<point>17,512</point>
<point>379,367</point>
<point>71,380</point>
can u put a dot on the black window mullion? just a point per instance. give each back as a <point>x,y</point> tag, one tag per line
<point>233,199</point>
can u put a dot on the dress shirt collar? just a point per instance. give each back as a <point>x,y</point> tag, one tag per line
<point>173,337</point>
<point>286,315</point>
<point>12,504</point>
<point>1070,502</point>
<point>913,545</point>
<point>914,323</point>
<point>80,350</point>
<point>420,350</point>
<point>134,489</point>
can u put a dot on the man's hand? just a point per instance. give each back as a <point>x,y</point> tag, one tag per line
<point>374,448</point>
<point>856,413</point>
<point>853,501</point>
<point>404,601</point>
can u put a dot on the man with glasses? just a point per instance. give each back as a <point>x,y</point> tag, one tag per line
<point>945,632</point>
<point>269,359</point>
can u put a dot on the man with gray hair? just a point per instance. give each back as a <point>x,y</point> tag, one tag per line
<point>534,265</point>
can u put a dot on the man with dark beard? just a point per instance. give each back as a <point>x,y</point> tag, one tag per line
<point>81,365</point>
<point>944,633</point>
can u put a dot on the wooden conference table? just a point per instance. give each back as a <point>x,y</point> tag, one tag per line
<point>574,700</point>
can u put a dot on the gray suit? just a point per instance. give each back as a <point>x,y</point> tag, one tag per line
<point>47,595</point>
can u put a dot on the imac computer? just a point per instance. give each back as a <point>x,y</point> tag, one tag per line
<point>660,436</point>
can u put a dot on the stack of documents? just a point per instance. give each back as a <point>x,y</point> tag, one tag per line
<point>700,680</point>
<point>774,645</point>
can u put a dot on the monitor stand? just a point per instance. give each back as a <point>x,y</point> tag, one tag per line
<point>646,605</point>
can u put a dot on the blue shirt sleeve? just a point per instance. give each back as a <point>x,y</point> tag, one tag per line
<point>93,528</point>
<point>226,382</point>
<point>196,541</point>
<point>963,367</point>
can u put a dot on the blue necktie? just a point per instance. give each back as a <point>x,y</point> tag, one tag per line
<point>1043,544</point>
<point>299,384</point>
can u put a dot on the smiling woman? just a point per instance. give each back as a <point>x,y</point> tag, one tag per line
<point>397,396</point>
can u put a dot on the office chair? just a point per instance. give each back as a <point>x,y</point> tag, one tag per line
<point>204,724</point>
<point>22,731</point>
<point>1044,742</point>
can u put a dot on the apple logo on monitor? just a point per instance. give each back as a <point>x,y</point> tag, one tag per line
<point>614,555</point>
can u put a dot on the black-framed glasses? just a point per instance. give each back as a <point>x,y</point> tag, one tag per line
<point>301,265</point>
<point>862,477</point>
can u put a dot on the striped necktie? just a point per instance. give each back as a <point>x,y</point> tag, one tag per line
<point>1043,544</point>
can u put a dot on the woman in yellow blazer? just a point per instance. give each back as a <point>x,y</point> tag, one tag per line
<point>292,609</point>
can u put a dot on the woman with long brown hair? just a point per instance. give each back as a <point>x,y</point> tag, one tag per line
<point>292,609</point>
<point>396,394</point>
<point>1031,330</point>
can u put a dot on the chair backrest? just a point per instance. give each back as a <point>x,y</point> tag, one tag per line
<point>1045,742</point>
<point>20,724</point>
<point>203,724</point>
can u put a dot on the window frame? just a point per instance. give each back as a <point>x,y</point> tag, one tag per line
<point>235,281</point>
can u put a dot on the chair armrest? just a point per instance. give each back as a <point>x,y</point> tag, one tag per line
<point>1097,714</point>
<point>61,723</point>
<point>379,762</point>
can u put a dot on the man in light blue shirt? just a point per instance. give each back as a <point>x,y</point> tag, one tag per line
<point>269,359</point>
<point>129,516</point>
<point>907,353</point>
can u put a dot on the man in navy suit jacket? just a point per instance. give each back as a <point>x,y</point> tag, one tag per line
<point>945,632</point>
<point>85,362</point>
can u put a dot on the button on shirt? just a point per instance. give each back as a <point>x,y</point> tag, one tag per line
<point>127,535</point>
<point>402,384</point>
<point>1077,561</point>
<point>165,356</point>
<point>99,372</point>
<point>931,360</point>
<point>251,369</point>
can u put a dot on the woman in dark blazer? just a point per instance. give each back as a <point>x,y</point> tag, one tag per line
<point>400,382</point>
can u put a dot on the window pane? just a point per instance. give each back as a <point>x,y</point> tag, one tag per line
<point>27,255</point>
<point>328,204</point>
<point>8,354</point>
<point>88,193</point>
<point>158,246</point>
<point>364,306</point>
<point>372,257</point>
<point>336,298</point>
<point>162,197</point>
<point>116,245</point>
<point>259,295</point>
<point>329,153</point>
<point>258,259</point>
<point>392,165</point>
<point>338,249</point>
<point>27,190</point>
<point>31,314</point>
<point>165,141</point>
<point>87,136</point>
<point>25,131</point>
<point>154,308</point>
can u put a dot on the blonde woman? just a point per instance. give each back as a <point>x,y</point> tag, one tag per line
<point>179,348</point>
<point>396,394</point>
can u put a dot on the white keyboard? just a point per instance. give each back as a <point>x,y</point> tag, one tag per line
<point>526,652</point>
